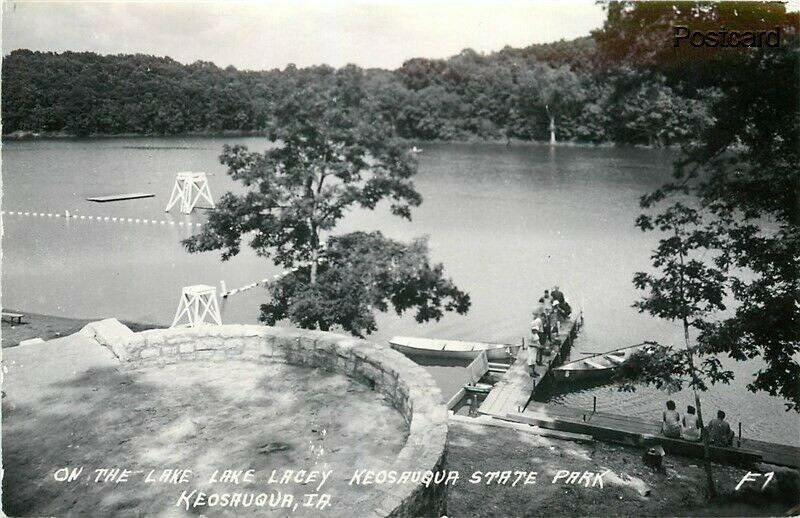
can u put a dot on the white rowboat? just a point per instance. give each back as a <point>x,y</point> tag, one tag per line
<point>451,348</point>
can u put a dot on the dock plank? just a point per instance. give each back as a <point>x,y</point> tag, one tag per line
<point>636,431</point>
<point>514,390</point>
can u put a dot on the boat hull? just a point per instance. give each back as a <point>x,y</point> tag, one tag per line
<point>468,350</point>
<point>582,374</point>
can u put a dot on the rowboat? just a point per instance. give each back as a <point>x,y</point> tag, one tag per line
<point>451,348</point>
<point>596,366</point>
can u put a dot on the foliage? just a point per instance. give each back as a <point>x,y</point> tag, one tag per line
<point>685,288</point>
<point>741,177</point>
<point>729,219</point>
<point>362,273</point>
<point>330,155</point>
<point>503,95</point>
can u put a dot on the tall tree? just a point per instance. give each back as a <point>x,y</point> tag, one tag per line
<point>686,289</point>
<point>732,219</point>
<point>743,175</point>
<point>331,156</point>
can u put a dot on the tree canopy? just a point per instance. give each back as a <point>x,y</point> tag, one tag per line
<point>330,155</point>
<point>503,95</point>
<point>730,223</point>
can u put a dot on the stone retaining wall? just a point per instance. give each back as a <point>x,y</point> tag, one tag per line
<point>410,388</point>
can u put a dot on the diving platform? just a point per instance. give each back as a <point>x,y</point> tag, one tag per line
<point>121,197</point>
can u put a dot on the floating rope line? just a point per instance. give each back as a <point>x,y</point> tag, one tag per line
<point>113,219</point>
<point>263,282</point>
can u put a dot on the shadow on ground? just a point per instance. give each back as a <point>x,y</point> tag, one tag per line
<point>197,416</point>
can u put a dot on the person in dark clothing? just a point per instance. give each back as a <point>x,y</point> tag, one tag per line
<point>557,295</point>
<point>563,307</point>
<point>719,431</point>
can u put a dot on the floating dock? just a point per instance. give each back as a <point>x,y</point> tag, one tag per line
<point>516,388</point>
<point>120,197</point>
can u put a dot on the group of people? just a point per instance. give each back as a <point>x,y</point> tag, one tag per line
<point>552,306</point>
<point>690,429</point>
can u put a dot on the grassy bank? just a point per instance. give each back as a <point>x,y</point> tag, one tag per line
<point>48,327</point>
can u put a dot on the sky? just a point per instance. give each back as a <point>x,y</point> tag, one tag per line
<point>260,35</point>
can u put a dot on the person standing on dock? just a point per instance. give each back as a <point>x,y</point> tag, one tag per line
<point>554,320</point>
<point>537,326</point>
<point>547,301</point>
<point>534,354</point>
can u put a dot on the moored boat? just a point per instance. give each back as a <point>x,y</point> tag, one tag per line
<point>451,348</point>
<point>596,366</point>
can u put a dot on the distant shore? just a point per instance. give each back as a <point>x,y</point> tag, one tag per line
<point>48,327</point>
<point>59,135</point>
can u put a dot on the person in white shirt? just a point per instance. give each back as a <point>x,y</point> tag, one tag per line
<point>537,327</point>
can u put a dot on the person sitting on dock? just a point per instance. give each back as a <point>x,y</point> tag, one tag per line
<point>719,431</point>
<point>671,421</point>
<point>560,305</point>
<point>690,429</point>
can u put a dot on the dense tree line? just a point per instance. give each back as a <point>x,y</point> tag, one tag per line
<point>510,94</point>
<point>586,90</point>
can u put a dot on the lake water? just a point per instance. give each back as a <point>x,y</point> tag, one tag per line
<point>507,222</point>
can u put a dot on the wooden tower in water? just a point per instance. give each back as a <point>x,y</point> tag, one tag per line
<point>188,189</point>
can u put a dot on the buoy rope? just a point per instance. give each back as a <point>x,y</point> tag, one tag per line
<point>114,219</point>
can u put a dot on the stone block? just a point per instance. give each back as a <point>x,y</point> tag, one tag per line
<point>186,347</point>
<point>326,344</point>
<point>169,350</point>
<point>370,372</point>
<point>121,352</point>
<point>154,340</point>
<point>251,351</point>
<point>232,342</point>
<point>344,347</point>
<point>204,354</point>
<point>149,352</point>
<point>135,345</point>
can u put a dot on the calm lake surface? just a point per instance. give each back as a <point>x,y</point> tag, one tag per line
<point>507,222</point>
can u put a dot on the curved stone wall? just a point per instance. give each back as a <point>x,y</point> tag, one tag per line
<point>410,388</point>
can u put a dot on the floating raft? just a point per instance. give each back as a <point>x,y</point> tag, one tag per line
<point>120,197</point>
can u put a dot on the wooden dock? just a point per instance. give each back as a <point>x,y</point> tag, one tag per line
<point>514,390</point>
<point>640,432</point>
<point>510,400</point>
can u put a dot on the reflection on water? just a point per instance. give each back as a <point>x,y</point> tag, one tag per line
<point>507,222</point>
